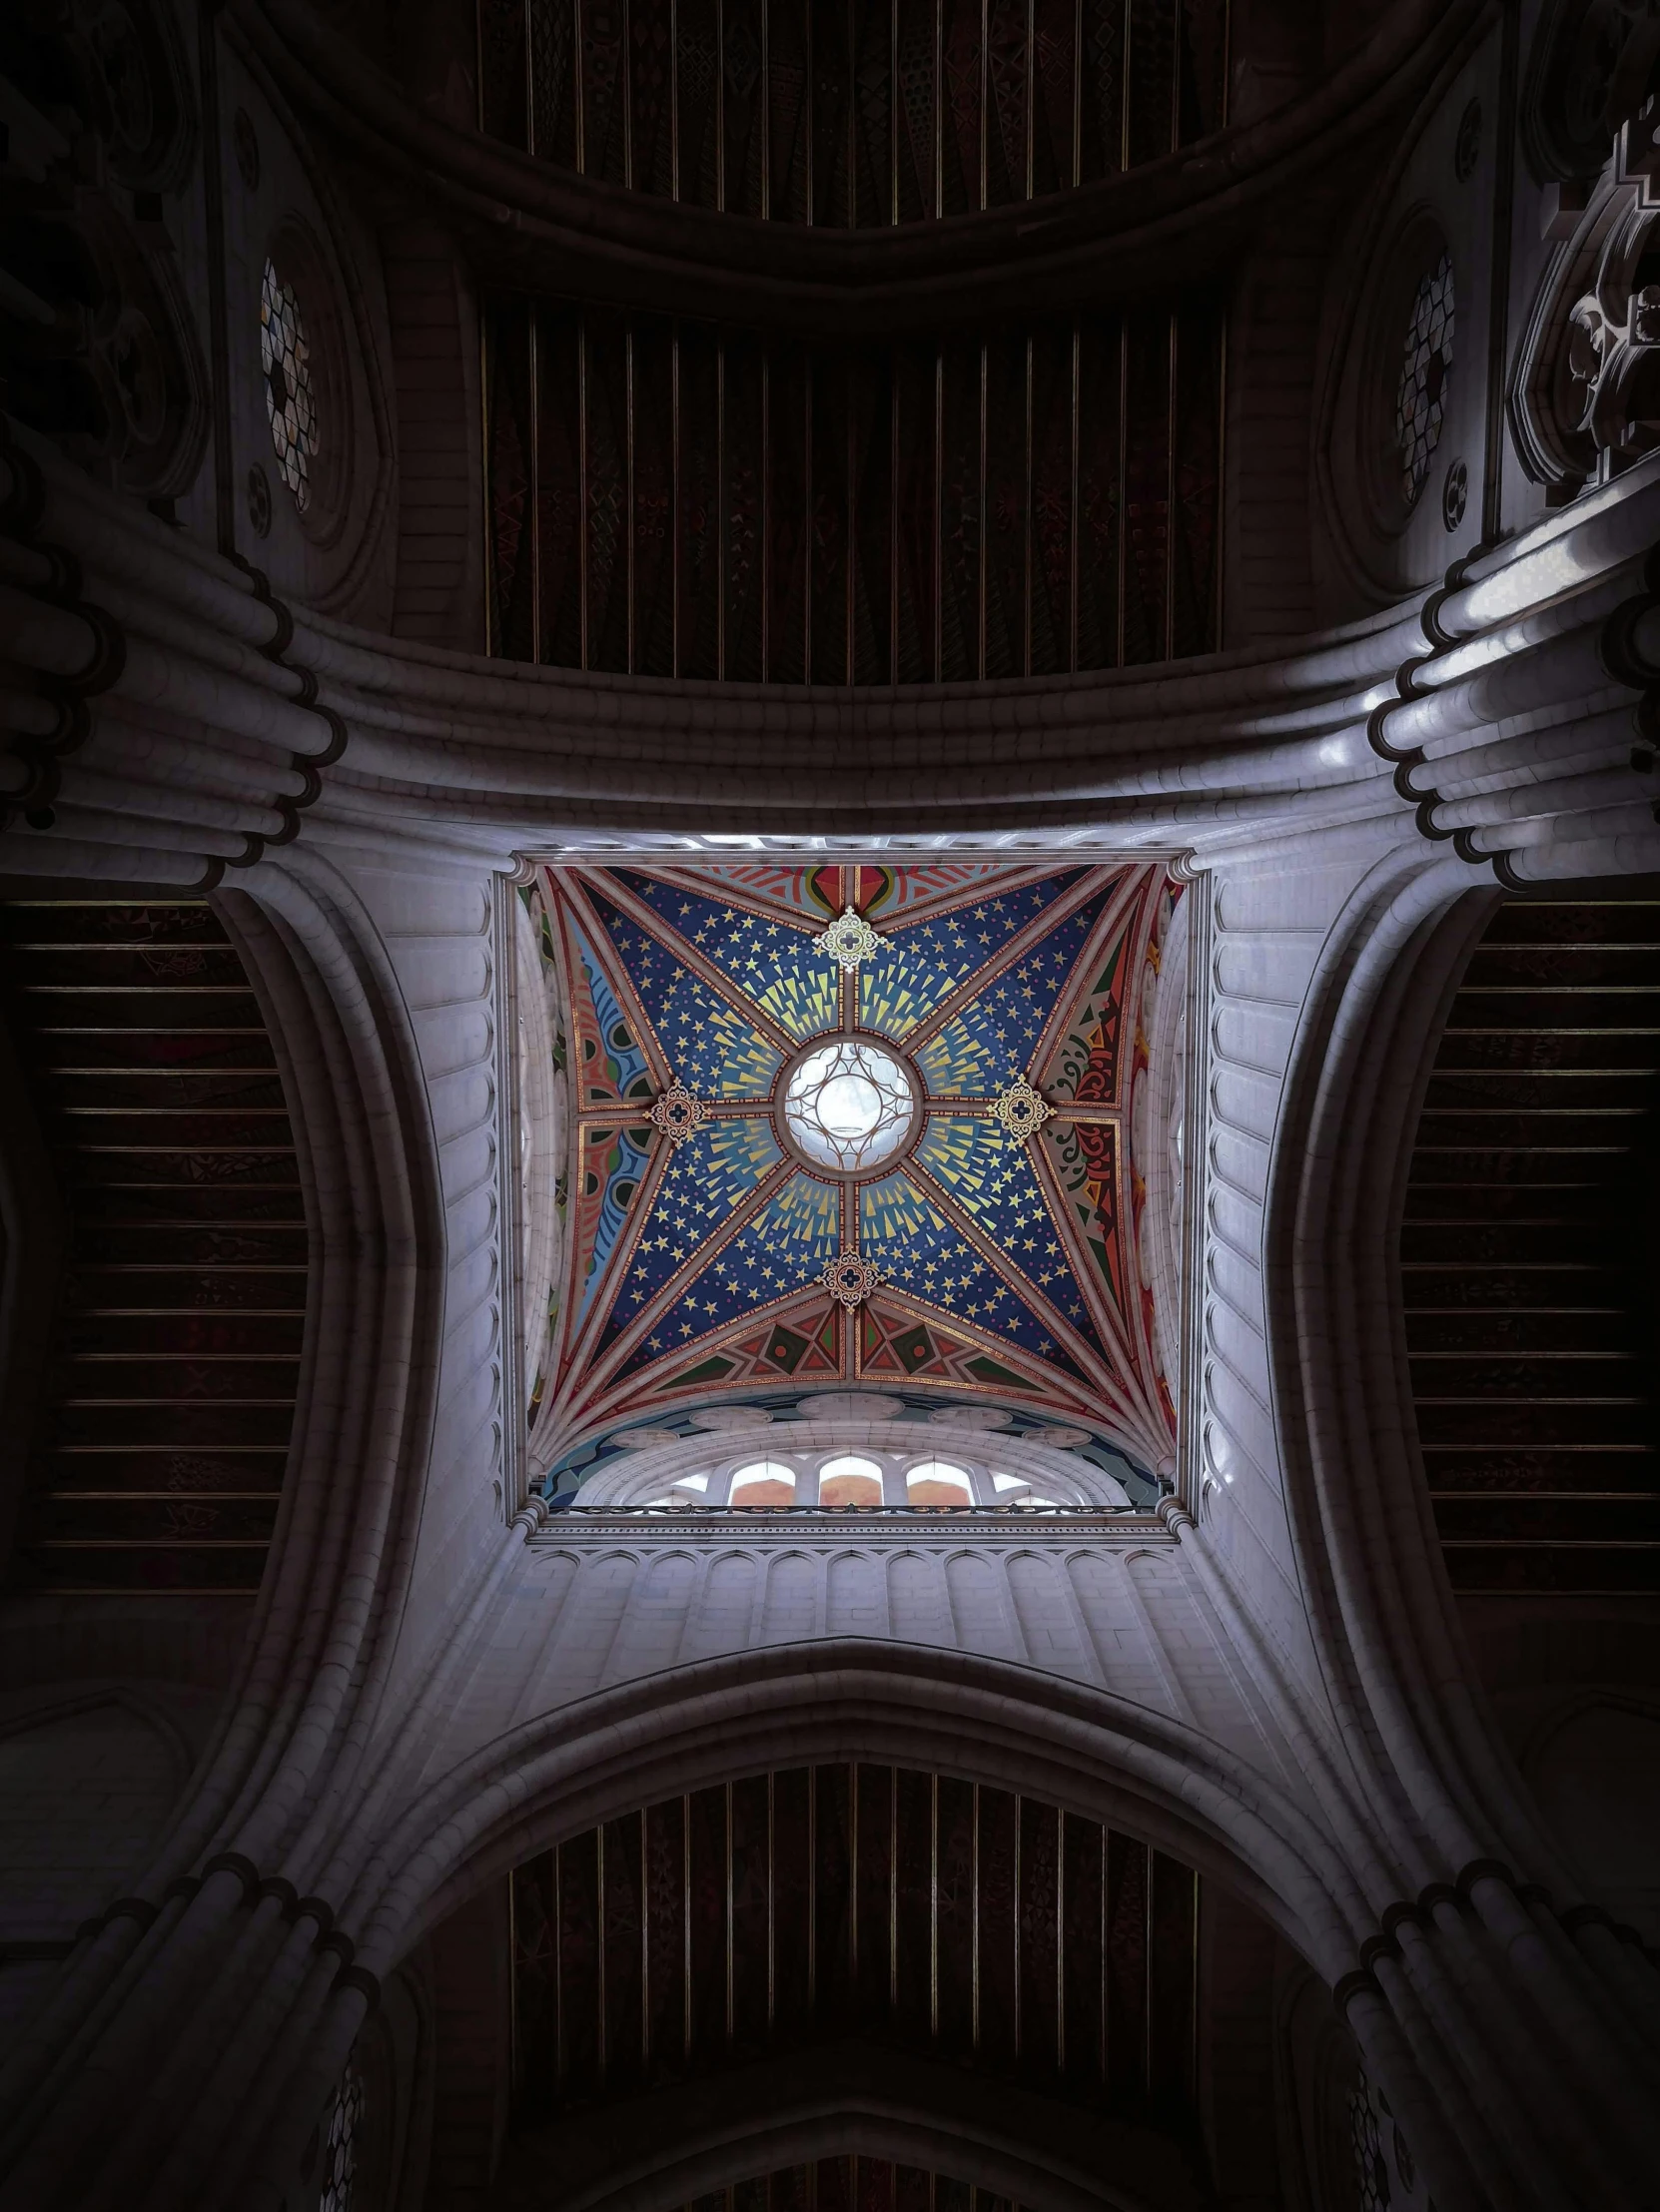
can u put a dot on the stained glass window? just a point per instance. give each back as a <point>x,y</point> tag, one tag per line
<point>1372,2174</point>
<point>291,402</point>
<point>849,1105</point>
<point>340,2149</point>
<point>1426,365</point>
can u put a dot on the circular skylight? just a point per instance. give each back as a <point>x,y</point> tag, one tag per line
<point>849,1105</point>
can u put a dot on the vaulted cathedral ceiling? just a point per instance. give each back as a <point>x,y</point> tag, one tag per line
<point>857,1125</point>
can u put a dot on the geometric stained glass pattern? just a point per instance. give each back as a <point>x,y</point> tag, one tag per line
<point>291,404</point>
<point>994,1263</point>
<point>1426,365</point>
<point>340,2151</point>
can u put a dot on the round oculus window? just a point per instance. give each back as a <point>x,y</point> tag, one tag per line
<point>849,1105</point>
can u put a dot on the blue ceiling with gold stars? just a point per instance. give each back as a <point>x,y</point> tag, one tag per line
<point>990,1256</point>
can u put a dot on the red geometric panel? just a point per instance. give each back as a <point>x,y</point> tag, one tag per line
<point>800,1342</point>
<point>897,1346</point>
<point>1086,1159</point>
<point>1085,1065</point>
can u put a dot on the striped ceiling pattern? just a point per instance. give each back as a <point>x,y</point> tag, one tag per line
<point>851,113</point>
<point>1527,1255</point>
<point>813,1904</point>
<point>680,499</point>
<point>167,1400</point>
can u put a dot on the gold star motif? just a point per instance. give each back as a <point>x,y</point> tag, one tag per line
<point>849,939</point>
<point>1020,1110</point>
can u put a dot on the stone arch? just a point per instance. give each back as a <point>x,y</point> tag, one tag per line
<point>892,2105</point>
<point>1444,1805</point>
<point>985,1720</point>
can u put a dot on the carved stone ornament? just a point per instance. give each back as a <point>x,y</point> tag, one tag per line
<point>1588,72</point>
<point>849,939</point>
<point>1020,1110</point>
<point>849,1280</point>
<point>676,1113</point>
<point>1584,399</point>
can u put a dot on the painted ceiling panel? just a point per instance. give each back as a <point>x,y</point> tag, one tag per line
<point>798,1341</point>
<point>774,962</point>
<point>614,1065</point>
<point>703,1039</point>
<point>1085,1158</point>
<point>988,1254</point>
<point>773,1254</point>
<point>1085,1060</point>
<point>613,1165</point>
<point>899,1344</point>
<point>820,891</point>
<point>926,960</point>
<point>990,1175</point>
<point>701,1186</point>
<point>963,1060</point>
<point>929,1257</point>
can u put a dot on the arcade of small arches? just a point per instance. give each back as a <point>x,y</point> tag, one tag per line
<point>859,1481</point>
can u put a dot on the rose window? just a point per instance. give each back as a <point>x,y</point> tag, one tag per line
<point>849,1105</point>
<point>1426,365</point>
<point>285,359</point>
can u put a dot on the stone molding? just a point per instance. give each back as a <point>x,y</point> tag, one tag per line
<point>1511,706</point>
<point>204,744</point>
<point>837,1696</point>
<point>1429,1777</point>
<point>1520,738</point>
<point>874,1535</point>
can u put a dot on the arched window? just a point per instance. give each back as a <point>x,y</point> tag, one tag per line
<point>937,1482</point>
<point>1005,1485</point>
<point>763,1482</point>
<point>850,1480</point>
